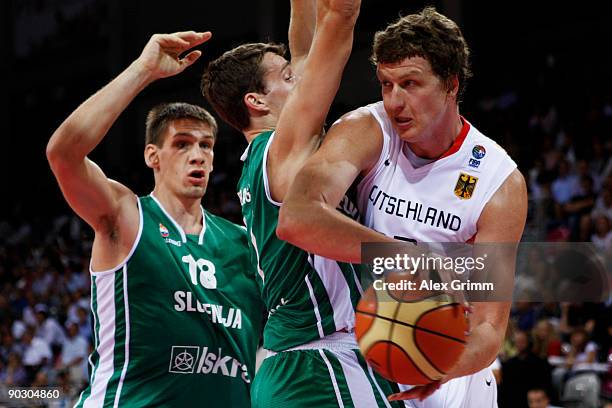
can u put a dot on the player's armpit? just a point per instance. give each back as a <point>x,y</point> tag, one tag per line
<point>94,197</point>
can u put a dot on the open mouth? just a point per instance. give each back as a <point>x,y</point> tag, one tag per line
<point>402,121</point>
<point>197,174</point>
<point>197,177</point>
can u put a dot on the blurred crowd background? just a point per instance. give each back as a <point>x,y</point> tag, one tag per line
<point>541,89</point>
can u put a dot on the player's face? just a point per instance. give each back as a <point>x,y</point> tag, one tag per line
<point>415,99</point>
<point>279,80</point>
<point>186,157</point>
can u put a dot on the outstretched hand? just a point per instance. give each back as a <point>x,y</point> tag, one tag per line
<point>161,57</point>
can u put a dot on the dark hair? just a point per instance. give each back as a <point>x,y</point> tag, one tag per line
<point>159,117</point>
<point>429,35</point>
<point>234,74</point>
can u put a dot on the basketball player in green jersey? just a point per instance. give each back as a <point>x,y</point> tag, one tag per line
<point>176,309</point>
<point>312,357</point>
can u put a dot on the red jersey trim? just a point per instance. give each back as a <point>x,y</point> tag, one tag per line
<point>458,140</point>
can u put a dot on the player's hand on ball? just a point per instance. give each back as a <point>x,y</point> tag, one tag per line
<point>161,57</point>
<point>419,392</point>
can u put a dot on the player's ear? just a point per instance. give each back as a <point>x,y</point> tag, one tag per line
<point>151,156</point>
<point>255,102</point>
<point>453,86</point>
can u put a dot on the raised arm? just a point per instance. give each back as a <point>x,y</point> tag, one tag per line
<point>301,31</point>
<point>93,196</point>
<point>302,117</point>
<point>308,217</point>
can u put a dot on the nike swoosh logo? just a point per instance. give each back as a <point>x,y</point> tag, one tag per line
<point>489,382</point>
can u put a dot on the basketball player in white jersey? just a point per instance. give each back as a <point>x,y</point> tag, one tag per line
<point>425,174</point>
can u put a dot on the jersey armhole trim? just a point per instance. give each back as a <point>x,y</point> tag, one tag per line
<point>132,250</point>
<point>492,190</point>
<point>383,152</point>
<point>264,171</point>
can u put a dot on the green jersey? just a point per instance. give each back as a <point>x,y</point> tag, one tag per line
<point>177,324</point>
<point>307,296</point>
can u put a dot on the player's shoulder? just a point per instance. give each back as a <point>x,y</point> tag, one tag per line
<point>256,147</point>
<point>360,119</point>
<point>510,195</point>
<point>224,226</point>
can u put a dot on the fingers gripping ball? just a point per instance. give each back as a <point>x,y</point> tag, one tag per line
<point>409,336</point>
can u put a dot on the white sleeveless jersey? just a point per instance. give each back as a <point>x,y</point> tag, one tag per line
<point>439,202</point>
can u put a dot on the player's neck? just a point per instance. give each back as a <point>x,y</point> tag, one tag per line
<point>259,125</point>
<point>434,145</point>
<point>185,211</point>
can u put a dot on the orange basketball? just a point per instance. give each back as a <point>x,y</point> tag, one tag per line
<point>409,336</point>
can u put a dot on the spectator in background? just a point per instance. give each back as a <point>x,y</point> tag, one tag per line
<point>28,315</point>
<point>602,238</point>
<point>582,170</point>
<point>13,373</point>
<point>79,301</point>
<point>18,328</point>
<point>74,355</point>
<point>598,161</point>
<point>84,323</point>
<point>603,204</point>
<point>538,398</point>
<point>8,346</point>
<point>565,184</point>
<point>48,327</point>
<point>545,340</point>
<point>522,373</point>
<point>37,353</point>
<point>41,379</point>
<point>41,278</point>
<point>578,316</point>
<point>525,315</point>
<point>580,205</point>
<point>581,354</point>
<point>602,207</point>
<point>68,392</point>
<point>582,351</point>
<point>75,279</point>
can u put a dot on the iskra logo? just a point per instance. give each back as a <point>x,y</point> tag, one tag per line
<point>183,359</point>
<point>201,360</point>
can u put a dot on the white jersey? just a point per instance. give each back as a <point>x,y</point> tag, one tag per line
<point>438,202</point>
